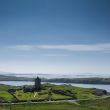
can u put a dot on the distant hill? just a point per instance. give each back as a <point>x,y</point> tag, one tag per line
<point>14,78</point>
<point>81,80</point>
<point>57,75</point>
<point>59,80</point>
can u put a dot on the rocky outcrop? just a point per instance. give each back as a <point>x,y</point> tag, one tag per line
<point>100,92</point>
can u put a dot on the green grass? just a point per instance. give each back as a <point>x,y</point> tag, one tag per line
<point>6,96</point>
<point>96,104</point>
<point>59,96</point>
<point>87,93</point>
<point>103,103</point>
<point>57,91</point>
<point>20,95</point>
<point>4,87</point>
<point>80,93</point>
<point>48,106</point>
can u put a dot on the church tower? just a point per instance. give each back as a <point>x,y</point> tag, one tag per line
<point>37,84</point>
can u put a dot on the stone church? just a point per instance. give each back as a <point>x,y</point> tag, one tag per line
<point>35,87</point>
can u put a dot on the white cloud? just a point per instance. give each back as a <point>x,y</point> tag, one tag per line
<point>105,47</point>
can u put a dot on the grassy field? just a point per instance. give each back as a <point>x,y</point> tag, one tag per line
<point>56,91</point>
<point>98,105</point>
<point>80,93</point>
<point>20,95</point>
<point>6,96</point>
<point>103,103</point>
<point>4,87</point>
<point>47,106</point>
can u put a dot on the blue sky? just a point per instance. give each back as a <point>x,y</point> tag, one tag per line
<point>55,36</point>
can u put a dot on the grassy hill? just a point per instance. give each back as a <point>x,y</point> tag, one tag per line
<point>49,91</point>
<point>4,94</point>
<point>87,100</point>
<point>14,78</point>
<point>81,80</point>
<point>56,92</point>
<point>4,87</point>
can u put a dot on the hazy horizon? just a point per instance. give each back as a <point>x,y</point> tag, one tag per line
<point>57,75</point>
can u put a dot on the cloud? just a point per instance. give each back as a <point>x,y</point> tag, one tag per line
<point>105,47</point>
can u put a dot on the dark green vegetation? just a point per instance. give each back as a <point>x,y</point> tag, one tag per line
<point>14,78</point>
<point>82,80</point>
<point>97,104</point>
<point>60,80</point>
<point>101,104</point>
<point>4,94</point>
<point>49,92</point>
<point>46,106</point>
<point>58,92</point>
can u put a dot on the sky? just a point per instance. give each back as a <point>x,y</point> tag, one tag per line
<point>55,36</point>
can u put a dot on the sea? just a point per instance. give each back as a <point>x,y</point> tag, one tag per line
<point>48,76</point>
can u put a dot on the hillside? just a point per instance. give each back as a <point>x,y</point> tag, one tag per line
<point>14,78</point>
<point>102,104</point>
<point>60,95</point>
<point>81,80</point>
<point>50,91</point>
